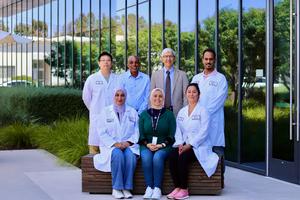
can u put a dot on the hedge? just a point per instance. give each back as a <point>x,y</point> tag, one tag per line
<point>43,105</point>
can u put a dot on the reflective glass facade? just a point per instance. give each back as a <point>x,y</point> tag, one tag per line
<point>257,43</point>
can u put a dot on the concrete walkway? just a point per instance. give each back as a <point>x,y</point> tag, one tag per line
<point>38,175</point>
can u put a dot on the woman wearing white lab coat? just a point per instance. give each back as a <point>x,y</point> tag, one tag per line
<point>191,143</point>
<point>118,129</point>
<point>98,93</point>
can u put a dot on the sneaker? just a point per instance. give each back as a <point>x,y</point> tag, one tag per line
<point>117,194</point>
<point>156,193</point>
<point>127,194</point>
<point>173,193</point>
<point>182,194</point>
<point>148,193</point>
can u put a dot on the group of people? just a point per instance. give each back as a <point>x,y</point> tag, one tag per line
<point>134,117</point>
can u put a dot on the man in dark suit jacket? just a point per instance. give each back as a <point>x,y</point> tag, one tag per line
<point>178,81</point>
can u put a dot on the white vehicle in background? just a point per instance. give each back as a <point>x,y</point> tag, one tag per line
<point>16,83</point>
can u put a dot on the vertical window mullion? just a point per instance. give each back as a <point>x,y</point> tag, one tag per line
<point>44,41</point>
<point>137,28</point>
<point>110,26</point>
<point>73,30</point>
<point>65,42</point>
<point>80,64</point>
<point>126,36</point>
<point>90,31</point>
<point>99,28</point>
<point>51,42</point>
<point>149,38</point>
<point>179,35</point>
<point>57,26</point>
<point>163,24</point>
<point>196,52</point>
<point>217,39</point>
<point>38,43</point>
<point>240,81</point>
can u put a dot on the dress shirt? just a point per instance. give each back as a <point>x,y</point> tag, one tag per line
<point>138,90</point>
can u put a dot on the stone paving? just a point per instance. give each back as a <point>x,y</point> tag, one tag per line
<point>38,175</point>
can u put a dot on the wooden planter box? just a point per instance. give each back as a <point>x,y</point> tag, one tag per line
<point>94,181</point>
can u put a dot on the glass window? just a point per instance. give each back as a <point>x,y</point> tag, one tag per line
<point>77,46</point>
<point>120,36</point>
<point>143,35</point>
<point>188,37</point>
<point>85,50</point>
<point>156,34</point>
<point>131,31</point>
<point>228,31</point>
<point>254,85</point>
<point>95,43</point>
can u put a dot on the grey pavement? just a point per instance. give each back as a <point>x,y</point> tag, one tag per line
<point>38,175</point>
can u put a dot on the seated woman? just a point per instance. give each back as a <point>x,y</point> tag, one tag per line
<point>157,128</point>
<point>191,142</point>
<point>118,130</point>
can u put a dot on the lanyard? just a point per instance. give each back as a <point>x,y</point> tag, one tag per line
<point>154,126</point>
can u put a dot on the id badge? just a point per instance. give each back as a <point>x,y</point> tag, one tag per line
<point>154,140</point>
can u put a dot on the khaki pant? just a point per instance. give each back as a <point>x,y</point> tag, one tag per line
<point>94,149</point>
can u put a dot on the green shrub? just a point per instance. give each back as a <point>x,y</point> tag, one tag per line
<point>18,136</point>
<point>67,139</point>
<point>39,104</point>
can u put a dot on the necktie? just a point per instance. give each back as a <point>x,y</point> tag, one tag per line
<point>168,91</point>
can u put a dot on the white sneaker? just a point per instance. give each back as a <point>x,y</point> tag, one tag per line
<point>156,193</point>
<point>117,194</point>
<point>127,194</point>
<point>148,193</point>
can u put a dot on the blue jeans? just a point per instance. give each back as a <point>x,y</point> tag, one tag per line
<point>153,166</point>
<point>122,169</point>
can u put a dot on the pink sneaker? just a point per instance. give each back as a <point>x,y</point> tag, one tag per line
<point>173,193</point>
<point>182,194</point>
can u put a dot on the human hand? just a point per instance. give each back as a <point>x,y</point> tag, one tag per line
<point>185,148</point>
<point>152,147</point>
<point>125,144</point>
<point>180,149</point>
<point>118,145</point>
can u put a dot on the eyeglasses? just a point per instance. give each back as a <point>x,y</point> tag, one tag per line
<point>169,57</point>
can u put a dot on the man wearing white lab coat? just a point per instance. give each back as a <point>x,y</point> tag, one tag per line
<point>213,88</point>
<point>97,93</point>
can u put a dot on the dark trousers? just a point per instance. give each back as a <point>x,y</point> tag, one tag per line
<point>221,153</point>
<point>179,167</point>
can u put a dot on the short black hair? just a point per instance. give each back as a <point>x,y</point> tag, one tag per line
<point>195,85</point>
<point>209,50</point>
<point>105,53</point>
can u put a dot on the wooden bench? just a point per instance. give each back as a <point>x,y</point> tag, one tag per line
<point>94,181</point>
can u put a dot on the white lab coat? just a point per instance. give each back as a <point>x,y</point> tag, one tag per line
<point>110,130</point>
<point>97,93</point>
<point>193,130</point>
<point>213,96</point>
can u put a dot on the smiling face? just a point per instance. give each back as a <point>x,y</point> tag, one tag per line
<point>119,98</point>
<point>133,65</point>
<point>168,59</point>
<point>208,61</point>
<point>192,94</point>
<point>157,99</point>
